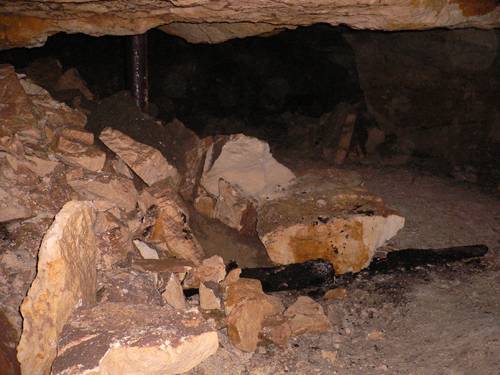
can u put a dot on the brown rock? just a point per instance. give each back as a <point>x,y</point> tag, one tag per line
<point>66,279</point>
<point>126,285</point>
<point>173,294</point>
<point>210,296</point>
<point>147,162</point>
<point>232,276</point>
<point>235,209</point>
<point>306,316</point>
<point>79,154</point>
<point>16,111</point>
<point>28,24</point>
<point>163,265</point>
<point>8,340</point>
<point>171,232</point>
<point>346,228</point>
<point>114,240</point>
<point>210,269</point>
<point>71,80</point>
<point>117,190</point>
<point>120,338</point>
<point>277,330</point>
<point>334,294</point>
<point>78,135</point>
<point>12,208</point>
<point>247,306</point>
<point>121,168</point>
<point>244,324</point>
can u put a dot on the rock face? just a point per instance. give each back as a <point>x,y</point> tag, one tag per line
<point>332,219</point>
<point>66,279</point>
<point>28,24</point>
<point>147,162</point>
<point>128,339</point>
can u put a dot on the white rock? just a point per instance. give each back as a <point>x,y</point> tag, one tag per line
<point>146,251</point>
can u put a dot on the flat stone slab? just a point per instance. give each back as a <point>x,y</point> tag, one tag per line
<point>146,161</point>
<point>334,219</point>
<point>123,339</point>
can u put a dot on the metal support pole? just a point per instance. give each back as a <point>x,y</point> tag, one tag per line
<point>139,71</point>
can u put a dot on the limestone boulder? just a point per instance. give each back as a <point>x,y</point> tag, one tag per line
<point>148,163</point>
<point>244,162</point>
<point>65,280</point>
<point>326,218</point>
<point>126,339</point>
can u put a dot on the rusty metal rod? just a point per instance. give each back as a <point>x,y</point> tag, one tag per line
<point>139,84</point>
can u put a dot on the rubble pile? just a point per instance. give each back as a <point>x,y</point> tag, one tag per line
<point>98,251</point>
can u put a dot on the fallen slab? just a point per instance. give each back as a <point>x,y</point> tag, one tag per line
<point>118,338</point>
<point>66,279</point>
<point>147,162</point>
<point>245,162</point>
<point>326,218</point>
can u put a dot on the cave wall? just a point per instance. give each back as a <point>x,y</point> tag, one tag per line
<point>437,91</point>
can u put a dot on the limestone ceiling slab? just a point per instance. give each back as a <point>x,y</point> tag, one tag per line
<point>29,22</point>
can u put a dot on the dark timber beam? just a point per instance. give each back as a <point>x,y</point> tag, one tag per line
<point>139,85</point>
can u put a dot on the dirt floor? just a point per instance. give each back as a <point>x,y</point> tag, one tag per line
<point>432,320</point>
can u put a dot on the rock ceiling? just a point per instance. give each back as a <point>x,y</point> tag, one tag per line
<point>29,23</point>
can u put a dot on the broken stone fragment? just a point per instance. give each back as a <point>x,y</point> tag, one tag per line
<point>147,162</point>
<point>126,285</point>
<point>12,208</point>
<point>66,279</point>
<point>71,80</point>
<point>210,296</point>
<point>306,316</point>
<point>171,232</point>
<point>277,330</point>
<point>173,294</point>
<point>346,229</point>
<point>121,168</point>
<point>80,155</point>
<point>118,190</point>
<point>126,339</point>
<point>50,113</point>
<point>246,307</point>
<point>16,110</point>
<point>335,294</point>
<point>244,162</point>
<point>166,265</point>
<point>211,269</point>
<point>114,240</point>
<point>235,209</point>
<point>146,251</point>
